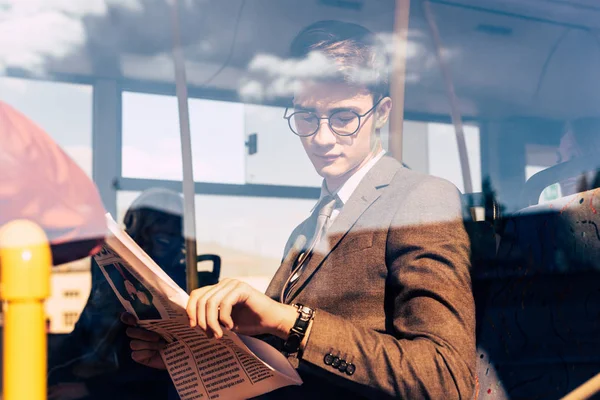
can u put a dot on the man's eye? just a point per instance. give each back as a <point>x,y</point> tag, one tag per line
<point>342,120</point>
<point>307,117</point>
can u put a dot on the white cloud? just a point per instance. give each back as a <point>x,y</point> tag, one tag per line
<point>252,91</point>
<point>413,47</point>
<point>33,30</point>
<point>271,76</point>
<point>316,64</point>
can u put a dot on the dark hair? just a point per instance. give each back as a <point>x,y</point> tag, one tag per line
<point>359,57</point>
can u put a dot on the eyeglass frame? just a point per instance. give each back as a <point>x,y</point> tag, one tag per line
<point>328,118</point>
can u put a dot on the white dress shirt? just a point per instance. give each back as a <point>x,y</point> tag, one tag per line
<point>345,191</point>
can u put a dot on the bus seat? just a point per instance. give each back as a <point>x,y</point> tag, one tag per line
<point>538,302</point>
<point>537,183</point>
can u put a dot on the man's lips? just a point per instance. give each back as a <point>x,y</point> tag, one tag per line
<point>327,157</point>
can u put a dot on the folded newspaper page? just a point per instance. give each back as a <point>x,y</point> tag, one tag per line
<point>233,367</point>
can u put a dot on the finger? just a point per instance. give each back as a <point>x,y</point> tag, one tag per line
<point>128,319</point>
<point>234,297</point>
<point>212,307</point>
<point>200,306</point>
<point>143,334</point>
<point>143,356</point>
<point>137,345</point>
<point>193,302</point>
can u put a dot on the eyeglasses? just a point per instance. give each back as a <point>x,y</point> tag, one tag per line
<point>342,123</point>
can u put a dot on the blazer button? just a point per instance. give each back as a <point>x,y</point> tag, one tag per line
<point>336,362</point>
<point>343,366</point>
<point>350,369</point>
<point>328,359</point>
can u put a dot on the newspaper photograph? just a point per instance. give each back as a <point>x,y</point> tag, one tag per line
<point>201,367</point>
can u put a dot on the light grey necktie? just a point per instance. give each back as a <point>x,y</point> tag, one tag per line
<point>322,214</point>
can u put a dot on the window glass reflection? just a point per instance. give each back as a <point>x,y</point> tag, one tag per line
<point>248,233</point>
<point>63,110</point>
<point>152,146</point>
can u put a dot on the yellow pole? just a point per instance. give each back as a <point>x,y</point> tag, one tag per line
<point>25,264</point>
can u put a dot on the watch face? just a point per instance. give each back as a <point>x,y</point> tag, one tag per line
<point>305,313</point>
<point>305,310</point>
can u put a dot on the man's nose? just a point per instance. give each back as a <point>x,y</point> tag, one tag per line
<point>324,135</point>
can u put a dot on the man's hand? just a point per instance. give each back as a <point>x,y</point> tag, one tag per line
<point>238,307</point>
<point>145,345</point>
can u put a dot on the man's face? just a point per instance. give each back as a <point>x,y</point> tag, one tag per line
<point>333,156</point>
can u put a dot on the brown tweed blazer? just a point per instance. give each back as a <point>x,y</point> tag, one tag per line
<point>392,292</point>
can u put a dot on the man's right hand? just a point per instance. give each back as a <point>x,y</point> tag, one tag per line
<point>145,345</point>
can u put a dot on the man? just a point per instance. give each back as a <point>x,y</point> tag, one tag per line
<point>386,292</point>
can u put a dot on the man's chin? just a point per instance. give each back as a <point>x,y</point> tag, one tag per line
<point>331,172</point>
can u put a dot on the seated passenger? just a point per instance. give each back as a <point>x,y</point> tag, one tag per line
<point>94,362</point>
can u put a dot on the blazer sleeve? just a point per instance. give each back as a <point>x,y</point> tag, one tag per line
<point>428,350</point>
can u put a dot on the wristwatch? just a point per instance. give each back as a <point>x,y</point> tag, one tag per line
<point>292,344</point>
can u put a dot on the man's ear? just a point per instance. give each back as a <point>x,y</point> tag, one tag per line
<point>383,112</point>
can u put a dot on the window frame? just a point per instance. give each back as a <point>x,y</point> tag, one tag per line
<point>107,138</point>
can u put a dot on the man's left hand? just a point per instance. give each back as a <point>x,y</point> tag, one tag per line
<point>239,307</point>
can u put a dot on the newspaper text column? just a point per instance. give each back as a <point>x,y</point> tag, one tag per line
<point>25,263</point>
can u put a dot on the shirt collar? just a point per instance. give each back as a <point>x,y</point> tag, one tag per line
<point>345,191</point>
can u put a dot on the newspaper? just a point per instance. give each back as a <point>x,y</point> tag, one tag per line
<point>233,367</point>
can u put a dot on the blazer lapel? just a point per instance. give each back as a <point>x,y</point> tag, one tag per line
<point>286,266</point>
<point>367,192</point>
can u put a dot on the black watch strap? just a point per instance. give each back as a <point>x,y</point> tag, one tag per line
<point>298,331</point>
